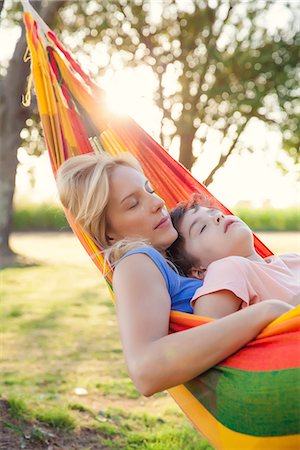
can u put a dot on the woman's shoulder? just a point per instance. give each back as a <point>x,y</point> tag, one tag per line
<point>129,260</point>
<point>146,250</point>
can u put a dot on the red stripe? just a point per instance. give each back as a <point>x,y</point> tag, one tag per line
<point>271,353</point>
<point>277,347</point>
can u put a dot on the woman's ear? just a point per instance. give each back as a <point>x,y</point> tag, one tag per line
<point>197,272</point>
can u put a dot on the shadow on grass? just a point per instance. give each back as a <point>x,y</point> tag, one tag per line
<point>15,260</point>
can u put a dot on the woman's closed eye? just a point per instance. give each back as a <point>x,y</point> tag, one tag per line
<point>133,205</point>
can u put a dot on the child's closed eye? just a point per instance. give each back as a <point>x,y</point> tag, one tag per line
<point>133,205</point>
<point>203,228</point>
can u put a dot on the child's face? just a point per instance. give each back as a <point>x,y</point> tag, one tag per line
<point>209,235</point>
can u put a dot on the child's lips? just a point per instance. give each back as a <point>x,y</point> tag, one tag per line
<point>228,223</point>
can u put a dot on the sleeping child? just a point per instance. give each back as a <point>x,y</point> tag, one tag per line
<point>219,249</point>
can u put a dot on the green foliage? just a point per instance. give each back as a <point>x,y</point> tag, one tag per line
<point>268,219</point>
<point>48,217</point>
<point>230,65</point>
<point>40,217</point>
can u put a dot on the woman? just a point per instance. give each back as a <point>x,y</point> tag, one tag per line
<point>112,201</point>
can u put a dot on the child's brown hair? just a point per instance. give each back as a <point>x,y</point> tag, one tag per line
<point>176,252</point>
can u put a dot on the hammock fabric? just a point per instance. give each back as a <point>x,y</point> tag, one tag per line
<point>250,400</point>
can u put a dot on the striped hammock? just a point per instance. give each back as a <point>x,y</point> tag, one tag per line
<point>250,400</point>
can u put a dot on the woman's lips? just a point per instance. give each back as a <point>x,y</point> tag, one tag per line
<point>165,222</point>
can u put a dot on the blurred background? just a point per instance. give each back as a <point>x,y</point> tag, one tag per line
<point>216,82</point>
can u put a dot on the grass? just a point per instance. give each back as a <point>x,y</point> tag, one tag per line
<point>60,334</point>
<point>56,417</point>
<point>17,408</point>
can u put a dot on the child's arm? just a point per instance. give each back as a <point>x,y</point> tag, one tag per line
<point>217,304</point>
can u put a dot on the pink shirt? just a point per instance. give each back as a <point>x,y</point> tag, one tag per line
<point>276,277</point>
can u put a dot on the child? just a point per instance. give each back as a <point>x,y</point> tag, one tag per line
<point>220,250</point>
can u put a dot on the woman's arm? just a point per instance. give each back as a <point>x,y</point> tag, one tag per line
<point>156,360</point>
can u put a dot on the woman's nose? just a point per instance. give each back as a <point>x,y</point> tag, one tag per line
<point>157,203</point>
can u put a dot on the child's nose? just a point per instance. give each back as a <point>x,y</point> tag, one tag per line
<point>219,217</point>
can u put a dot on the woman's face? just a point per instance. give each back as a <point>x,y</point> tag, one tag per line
<point>134,210</point>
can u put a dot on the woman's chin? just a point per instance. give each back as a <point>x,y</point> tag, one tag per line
<point>166,239</point>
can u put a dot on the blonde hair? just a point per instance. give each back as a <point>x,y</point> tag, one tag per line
<point>83,187</point>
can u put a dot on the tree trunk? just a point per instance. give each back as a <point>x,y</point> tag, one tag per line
<point>12,120</point>
<point>186,156</point>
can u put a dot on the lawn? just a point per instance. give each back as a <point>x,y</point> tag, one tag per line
<point>64,384</point>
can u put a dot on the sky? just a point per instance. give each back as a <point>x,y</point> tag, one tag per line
<point>252,178</point>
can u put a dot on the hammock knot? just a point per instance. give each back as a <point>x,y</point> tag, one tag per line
<point>26,98</point>
<point>27,56</point>
<point>96,145</point>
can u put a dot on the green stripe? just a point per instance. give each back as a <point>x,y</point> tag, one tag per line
<point>254,403</point>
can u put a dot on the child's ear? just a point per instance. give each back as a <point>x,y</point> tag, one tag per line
<point>197,272</point>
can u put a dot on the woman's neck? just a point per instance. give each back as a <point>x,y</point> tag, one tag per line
<point>162,251</point>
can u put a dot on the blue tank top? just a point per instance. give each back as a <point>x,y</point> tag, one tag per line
<point>181,289</point>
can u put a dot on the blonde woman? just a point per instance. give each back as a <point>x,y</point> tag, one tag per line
<point>116,205</point>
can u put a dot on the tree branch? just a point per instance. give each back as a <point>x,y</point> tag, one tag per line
<point>223,158</point>
<point>1,5</point>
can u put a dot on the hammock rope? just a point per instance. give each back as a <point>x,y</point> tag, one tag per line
<point>249,400</point>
